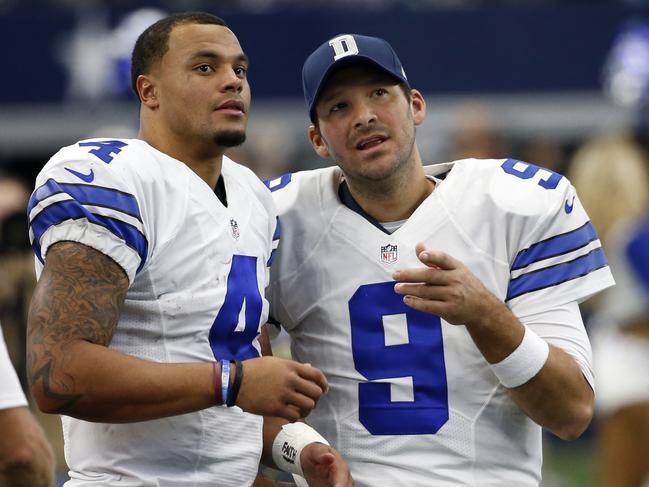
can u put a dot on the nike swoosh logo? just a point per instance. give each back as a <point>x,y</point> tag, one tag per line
<point>568,207</point>
<point>88,178</point>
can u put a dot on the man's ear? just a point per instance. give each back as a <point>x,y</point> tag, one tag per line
<point>418,106</point>
<point>147,91</point>
<point>318,143</point>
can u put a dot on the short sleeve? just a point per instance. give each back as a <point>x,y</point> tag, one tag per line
<point>87,202</point>
<point>555,254</point>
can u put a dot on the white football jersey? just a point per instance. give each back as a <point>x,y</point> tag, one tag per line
<point>197,271</point>
<point>412,401</point>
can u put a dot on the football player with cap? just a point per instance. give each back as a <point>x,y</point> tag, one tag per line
<point>441,301</point>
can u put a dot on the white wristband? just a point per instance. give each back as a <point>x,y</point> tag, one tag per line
<point>523,363</point>
<point>288,445</point>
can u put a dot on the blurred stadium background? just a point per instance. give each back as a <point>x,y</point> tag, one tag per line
<point>529,79</point>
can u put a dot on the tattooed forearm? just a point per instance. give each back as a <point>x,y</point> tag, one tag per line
<point>66,400</point>
<point>78,298</point>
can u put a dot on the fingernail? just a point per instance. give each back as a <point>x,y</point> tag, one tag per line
<point>396,275</point>
<point>424,256</point>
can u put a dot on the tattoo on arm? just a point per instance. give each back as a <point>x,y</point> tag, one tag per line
<point>78,297</point>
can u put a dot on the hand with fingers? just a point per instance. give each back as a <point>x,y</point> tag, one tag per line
<point>446,288</point>
<point>274,386</point>
<point>324,467</point>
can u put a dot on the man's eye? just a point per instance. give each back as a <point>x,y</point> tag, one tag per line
<point>240,71</point>
<point>381,92</point>
<point>205,68</point>
<point>337,107</point>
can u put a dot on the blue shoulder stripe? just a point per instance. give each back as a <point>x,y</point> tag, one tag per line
<point>87,194</point>
<point>557,245</point>
<point>556,274</point>
<point>73,210</point>
<point>278,183</point>
<point>278,230</point>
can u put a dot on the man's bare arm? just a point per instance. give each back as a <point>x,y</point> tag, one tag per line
<point>73,315</point>
<point>76,303</point>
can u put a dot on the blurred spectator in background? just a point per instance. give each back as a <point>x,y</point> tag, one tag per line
<point>477,134</point>
<point>270,149</point>
<point>612,176</point>
<point>613,165</point>
<point>546,152</point>
<point>25,455</point>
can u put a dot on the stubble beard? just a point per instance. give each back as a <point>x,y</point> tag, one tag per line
<point>375,184</point>
<point>229,138</point>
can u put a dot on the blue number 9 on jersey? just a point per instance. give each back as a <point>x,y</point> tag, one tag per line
<point>420,358</point>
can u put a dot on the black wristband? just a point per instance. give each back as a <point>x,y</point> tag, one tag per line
<point>236,385</point>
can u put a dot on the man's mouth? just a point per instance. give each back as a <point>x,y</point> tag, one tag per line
<point>369,142</point>
<point>232,106</point>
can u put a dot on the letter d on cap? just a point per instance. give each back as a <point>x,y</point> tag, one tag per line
<point>344,45</point>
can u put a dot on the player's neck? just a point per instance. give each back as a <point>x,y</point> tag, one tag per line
<point>206,161</point>
<point>396,200</point>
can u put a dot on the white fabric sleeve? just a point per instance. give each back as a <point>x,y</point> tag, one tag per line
<point>104,214</point>
<point>554,250</point>
<point>11,393</point>
<point>563,327</point>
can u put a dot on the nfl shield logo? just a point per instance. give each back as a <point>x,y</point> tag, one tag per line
<point>389,254</point>
<point>234,227</point>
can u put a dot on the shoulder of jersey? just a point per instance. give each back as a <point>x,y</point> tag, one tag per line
<point>513,186</point>
<point>100,161</point>
<point>98,153</point>
<point>100,150</point>
<point>307,191</point>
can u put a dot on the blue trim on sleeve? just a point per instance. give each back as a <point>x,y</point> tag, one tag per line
<point>556,274</point>
<point>73,210</point>
<point>283,181</point>
<point>557,245</point>
<point>87,194</point>
<point>278,230</point>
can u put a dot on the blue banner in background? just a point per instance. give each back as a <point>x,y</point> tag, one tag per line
<point>46,51</point>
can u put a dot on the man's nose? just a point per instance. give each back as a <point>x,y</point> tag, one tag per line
<point>363,115</point>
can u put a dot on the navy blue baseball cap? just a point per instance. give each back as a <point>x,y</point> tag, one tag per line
<point>344,50</point>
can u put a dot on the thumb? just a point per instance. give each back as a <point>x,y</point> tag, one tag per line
<point>419,248</point>
<point>326,459</point>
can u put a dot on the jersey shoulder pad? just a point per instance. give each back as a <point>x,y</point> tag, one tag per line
<point>512,186</point>
<point>79,197</point>
<point>306,191</point>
